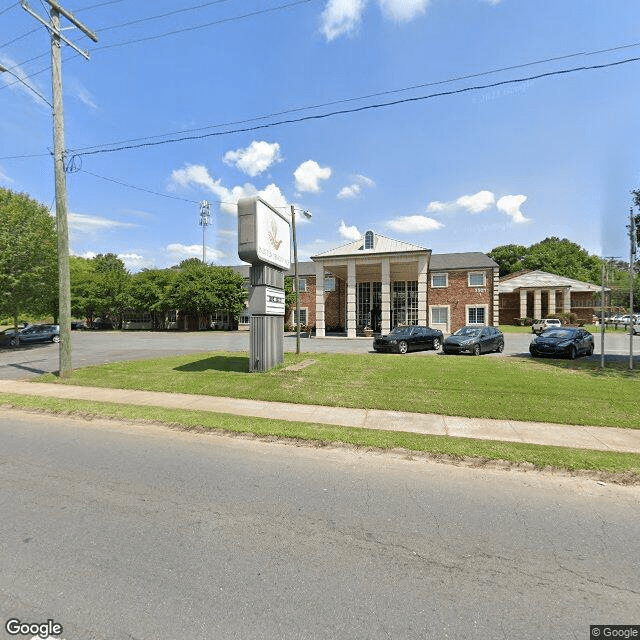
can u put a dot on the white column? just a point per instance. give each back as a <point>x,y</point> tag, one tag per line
<point>351,299</point>
<point>320,326</point>
<point>386,296</point>
<point>523,303</point>
<point>423,263</point>
<point>566,307</point>
<point>537,304</point>
<point>552,301</point>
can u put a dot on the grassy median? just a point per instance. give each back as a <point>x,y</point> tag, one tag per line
<point>484,387</point>
<point>616,467</point>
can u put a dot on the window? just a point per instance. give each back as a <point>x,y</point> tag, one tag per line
<point>329,283</point>
<point>368,240</point>
<point>439,280</point>
<point>303,316</point>
<point>476,315</point>
<point>477,279</point>
<point>439,315</point>
<point>302,285</point>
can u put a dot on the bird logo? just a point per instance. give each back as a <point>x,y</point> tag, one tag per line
<point>273,235</point>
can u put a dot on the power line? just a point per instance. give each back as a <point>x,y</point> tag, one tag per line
<point>381,105</point>
<point>95,6</point>
<point>11,6</point>
<point>160,15</point>
<point>204,26</point>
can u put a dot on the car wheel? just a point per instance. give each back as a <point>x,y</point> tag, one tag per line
<point>500,348</point>
<point>55,339</point>
<point>573,354</point>
<point>402,347</point>
<point>436,343</point>
<point>476,349</point>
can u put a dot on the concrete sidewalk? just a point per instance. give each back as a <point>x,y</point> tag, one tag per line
<point>599,438</point>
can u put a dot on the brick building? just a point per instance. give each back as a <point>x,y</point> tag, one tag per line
<point>379,282</point>
<point>538,294</point>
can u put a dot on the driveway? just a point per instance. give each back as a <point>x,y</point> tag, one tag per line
<point>98,347</point>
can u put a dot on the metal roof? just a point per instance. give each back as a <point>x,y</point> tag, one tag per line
<point>543,280</point>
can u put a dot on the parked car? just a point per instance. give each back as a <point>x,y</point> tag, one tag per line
<point>546,323</point>
<point>403,339</point>
<point>31,334</point>
<point>567,341</point>
<point>475,340</point>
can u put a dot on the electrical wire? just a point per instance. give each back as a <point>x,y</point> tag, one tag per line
<point>11,6</point>
<point>204,26</point>
<point>381,105</point>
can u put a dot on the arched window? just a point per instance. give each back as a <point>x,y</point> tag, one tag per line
<point>368,240</point>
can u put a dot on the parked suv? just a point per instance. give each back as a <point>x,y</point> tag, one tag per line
<point>547,323</point>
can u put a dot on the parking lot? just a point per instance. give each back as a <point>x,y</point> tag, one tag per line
<point>98,347</point>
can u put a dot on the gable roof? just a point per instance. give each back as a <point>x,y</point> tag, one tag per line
<point>470,260</point>
<point>381,244</point>
<point>543,280</point>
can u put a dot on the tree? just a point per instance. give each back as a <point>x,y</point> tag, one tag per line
<point>149,292</point>
<point>562,257</point>
<point>509,257</point>
<point>28,257</point>
<point>201,289</point>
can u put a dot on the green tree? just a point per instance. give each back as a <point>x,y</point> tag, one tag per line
<point>111,286</point>
<point>201,289</point>
<point>28,257</point>
<point>149,292</point>
<point>509,257</point>
<point>83,287</point>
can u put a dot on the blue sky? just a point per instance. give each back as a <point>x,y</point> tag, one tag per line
<point>513,163</point>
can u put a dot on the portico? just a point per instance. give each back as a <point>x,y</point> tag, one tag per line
<point>386,283</point>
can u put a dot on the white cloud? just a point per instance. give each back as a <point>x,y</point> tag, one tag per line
<point>413,224</point>
<point>179,252</point>
<point>135,262</point>
<point>355,188</point>
<point>349,233</point>
<point>510,205</point>
<point>308,176</point>
<point>341,17</point>
<point>4,177</point>
<point>403,10</point>
<point>254,159</point>
<point>17,79</point>
<point>198,176</point>
<point>77,89</point>
<point>476,203</point>
<point>88,224</point>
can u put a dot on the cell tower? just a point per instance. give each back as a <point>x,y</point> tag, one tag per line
<point>205,221</point>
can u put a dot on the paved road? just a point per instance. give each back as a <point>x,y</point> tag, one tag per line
<point>122,531</point>
<point>109,346</point>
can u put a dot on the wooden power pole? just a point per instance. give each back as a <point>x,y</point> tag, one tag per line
<point>64,280</point>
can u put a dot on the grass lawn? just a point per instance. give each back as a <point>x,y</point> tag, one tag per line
<point>504,388</point>
<point>624,467</point>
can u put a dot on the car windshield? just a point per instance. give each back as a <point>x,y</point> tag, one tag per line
<point>558,333</point>
<point>469,332</point>
<point>402,331</point>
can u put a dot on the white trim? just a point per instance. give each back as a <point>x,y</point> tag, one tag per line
<point>440,273</point>
<point>467,307</point>
<point>475,273</point>
<point>304,313</point>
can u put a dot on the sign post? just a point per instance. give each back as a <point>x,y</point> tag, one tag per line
<point>264,242</point>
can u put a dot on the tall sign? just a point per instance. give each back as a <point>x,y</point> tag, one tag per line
<point>264,242</point>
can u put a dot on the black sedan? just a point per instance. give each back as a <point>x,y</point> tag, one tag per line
<point>33,333</point>
<point>403,339</point>
<point>475,340</point>
<point>568,341</point>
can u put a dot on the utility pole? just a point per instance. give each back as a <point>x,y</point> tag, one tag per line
<point>205,220</point>
<point>633,242</point>
<point>64,279</point>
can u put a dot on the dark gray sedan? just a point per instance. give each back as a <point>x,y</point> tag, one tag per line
<point>474,340</point>
<point>568,341</point>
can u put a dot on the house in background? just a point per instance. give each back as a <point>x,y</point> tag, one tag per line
<point>380,283</point>
<point>538,294</point>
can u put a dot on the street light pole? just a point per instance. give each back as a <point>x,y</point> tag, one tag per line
<point>295,272</point>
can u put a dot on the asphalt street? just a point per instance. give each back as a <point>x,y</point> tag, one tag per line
<point>122,531</point>
<point>97,347</point>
